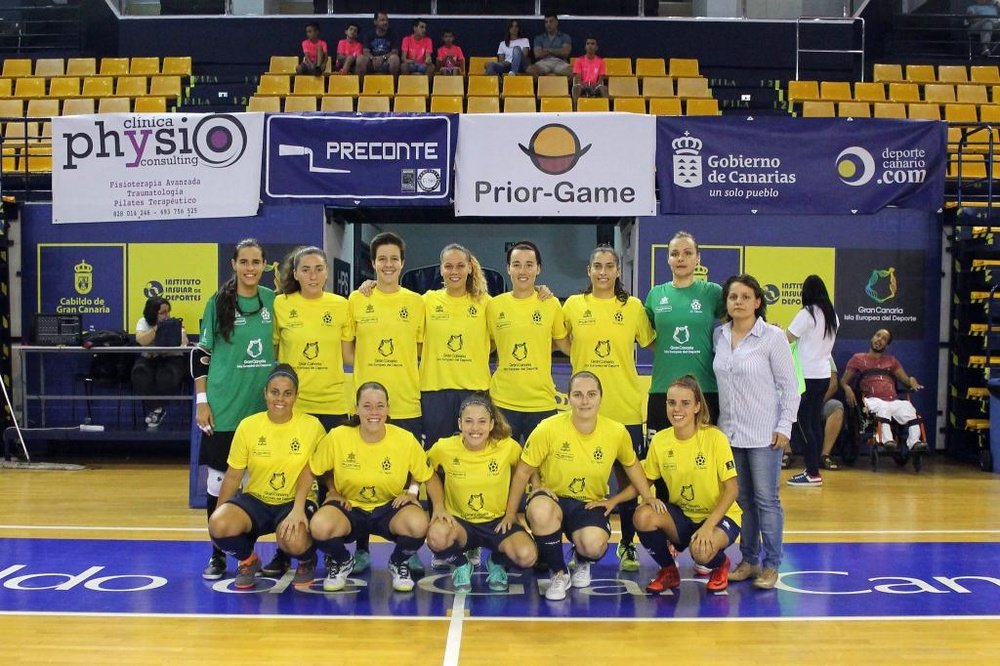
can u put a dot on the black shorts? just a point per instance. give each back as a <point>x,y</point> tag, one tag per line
<point>214,450</point>
<point>687,527</point>
<point>483,535</point>
<point>523,423</point>
<point>331,421</point>
<point>576,517</point>
<point>264,517</point>
<point>374,522</point>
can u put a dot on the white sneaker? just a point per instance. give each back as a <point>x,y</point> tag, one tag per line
<point>581,575</point>
<point>559,584</point>
<point>401,580</point>
<point>701,570</point>
<point>336,575</point>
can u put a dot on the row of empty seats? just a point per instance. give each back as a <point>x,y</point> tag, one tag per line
<point>953,113</point>
<point>43,108</point>
<point>887,73</point>
<point>54,67</point>
<point>941,93</point>
<point>661,106</point>
<point>91,86</point>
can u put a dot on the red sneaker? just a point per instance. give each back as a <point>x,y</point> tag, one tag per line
<point>718,580</point>
<point>668,578</point>
<point>247,572</point>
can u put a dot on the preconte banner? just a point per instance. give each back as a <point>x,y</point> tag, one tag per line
<point>126,167</point>
<point>579,164</point>
<point>371,160</point>
<point>785,165</point>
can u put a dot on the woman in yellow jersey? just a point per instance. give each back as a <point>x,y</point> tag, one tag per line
<point>695,461</point>
<point>370,461</point>
<point>477,468</point>
<point>604,324</point>
<point>455,360</point>
<point>573,453</point>
<point>271,448</point>
<point>525,323</point>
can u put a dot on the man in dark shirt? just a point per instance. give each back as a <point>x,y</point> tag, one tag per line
<point>380,52</point>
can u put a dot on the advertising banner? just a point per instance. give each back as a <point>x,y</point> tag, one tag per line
<point>785,165</point>
<point>124,167</point>
<point>185,274</point>
<point>534,164</point>
<point>87,279</point>
<point>372,160</point>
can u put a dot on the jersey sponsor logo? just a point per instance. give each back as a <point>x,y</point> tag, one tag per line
<point>311,350</point>
<point>255,348</point>
<point>476,502</point>
<point>603,348</point>
<point>386,464</point>
<point>277,480</point>
<point>455,343</point>
<point>577,485</point>
<point>520,351</point>
<point>664,300</point>
<point>293,314</point>
<point>681,335</point>
<point>351,461</point>
<point>262,441</point>
<point>367,493</point>
<point>385,347</point>
<point>369,309</point>
<point>439,308</point>
<point>730,464</point>
<point>687,493</point>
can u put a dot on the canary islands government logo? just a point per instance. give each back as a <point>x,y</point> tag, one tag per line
<point>882,285</point>
<point>687,161</point>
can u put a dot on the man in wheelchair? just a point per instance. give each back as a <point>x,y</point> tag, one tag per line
<point>876,373</point>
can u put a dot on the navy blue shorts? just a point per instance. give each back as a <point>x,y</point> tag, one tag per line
<point>576,517</point>
<point>374,522</point>
<point>264,517</point>
<point>439,413</point>
<point>413,426</point>
<point>687,527</point>
<point>331,421</point>
<point>483,535</point>
<point>522,423</point>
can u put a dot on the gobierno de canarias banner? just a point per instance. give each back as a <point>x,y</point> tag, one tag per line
<point>576,164</point>
<point>784,165</point>
<point>127,167</point>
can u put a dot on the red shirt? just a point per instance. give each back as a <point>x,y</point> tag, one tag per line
<point>880,386</point>
<point>346,48</point>
<point>417,50</point>
<point>310,49</point>
<point>450,56</point>
<point>590,70</point>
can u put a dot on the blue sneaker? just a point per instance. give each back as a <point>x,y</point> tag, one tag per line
<point>416,566</point>
<point>496,576</point>
<point>461,578</point>
<point>362,560</point>
<point>803,480</point>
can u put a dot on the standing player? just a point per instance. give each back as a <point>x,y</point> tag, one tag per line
<point>230,366</point>
<point>605,323</point>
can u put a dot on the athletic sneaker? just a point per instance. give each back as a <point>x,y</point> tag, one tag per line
<point>581,575</point>
<point>701,570</point>
<point>719,580</point>
<point>402,581</point>
<point>890,446</point>
<point>305,572</point>
<point>247,572</point>
<point>336,574</point>
<point>667,578</point>
<point>438,564</point>
<point>828,463</point>
<point>918,447</point>
<point>496,576</point>
<point>278,565</point>
<point>416,566</point>
<point>216,568</point>
<point>628,559</point>
<point>155,417</point>
<point>559,584</point>
<point>475,556</point>
<point>767,579</point>
<point>362,560</point>
<point>804,480</point>
<point>461,578</point>
<point>744,571</point>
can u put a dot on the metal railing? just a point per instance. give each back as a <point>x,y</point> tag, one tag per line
<point>485,7</point>
<point>851,50</point>
<point>28,28</point>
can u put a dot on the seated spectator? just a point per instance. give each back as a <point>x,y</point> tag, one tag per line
<point>314,52</point>
<point>589,73</point>
<point>348,51</point>
<point>552,50</point>
<point>877,373</point>
<point>158,374</point>
<point>513,53</point>
<point>379,54</point>
<point>450,59</point>
<point>982,16</point>
<point>417,51</point>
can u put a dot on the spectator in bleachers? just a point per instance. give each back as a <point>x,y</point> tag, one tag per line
<point>982,17</point>
<point>552,50</point>
<point>450,59</point>
<point>348,51</point>
<point>589,73</point>
<point>513,53</point>
<point>314,52</point>
<point>158,374</point>
<point>379,52</point>
<point>417,51</point>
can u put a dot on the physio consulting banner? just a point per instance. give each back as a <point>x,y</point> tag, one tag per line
<point>555,164</point>
<point>789,165</point>
<point>127,167</point>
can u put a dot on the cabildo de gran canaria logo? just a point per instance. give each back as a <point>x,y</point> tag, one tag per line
<point>856,166</point>
<point>83,278</point>
<point>214,140</point>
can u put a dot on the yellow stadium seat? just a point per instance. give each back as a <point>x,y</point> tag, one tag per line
<point>176,65</point>
<point>800,91</point>
<point>17,133</point>
<point>484,105</point>
<point>477,64</point>
<point>665,106</point>
<point>343,85</point>
<point>10,108</point>
<point>78,106</point>
<point>967,167</point>
<point>81,67</point>
<point>28,87</point>
<point>131,86</point>
<point>553,86</point>
<point>961,113</point>
<point>817,109</point>
<point>300,104</point>
<point>483,86</point>
<point>274,84</point>
<point>307,84</point>
<point>555,104</point>
<point>150,105</point>
<point>144,66</point>
<point>854,110</point>
<point>98,86</point>
<point>114,66</point>
<point>337,103</point>
<point>413,85</point>
<point>952,74</point>
<point>519,104</point>
<point>65,86</point>
<point>518,86</point>
<point>920,73</point>
<point>693,88</point>
<point>6,87</point>
<point>684,68</point>
<point>39,159</point>
<point>887,73</point>
<point>904,92</point>
<point>618,66</point>
<point>165,86</point>
<point>988,113</point>
<point>702,107</point>
<point>623,86</point>
<point>49,67</point>
<point>890,110</point>
<point>630,105</point>
<point>16,67</point>
<point>409,104</point>
<point>372,103</point>
<point>446,104</point>
<point>378,85</point>
<point>264,104</point>
<point>942,93</point>
<point>918,111</point>
<point>971,94</point>
<point>41,108</point>
<point>593,104</point>
<point>453,86</point>
<point>970,139</point>
<point>657,86</point>
<point>987,74</point>
<point>835,91</point>
<point>869,92</point>
<point>650,67</point>
<point>283,64</point>
<point>114,105</point>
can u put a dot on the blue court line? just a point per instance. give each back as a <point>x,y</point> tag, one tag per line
<point>819,580</point>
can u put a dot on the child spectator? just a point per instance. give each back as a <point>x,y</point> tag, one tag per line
<point>417,51</point>
<point>314,52</point>
<point>348,50</point>
<point>450,58</point>
<point>589,72</point>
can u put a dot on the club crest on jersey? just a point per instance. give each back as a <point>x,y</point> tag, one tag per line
<point>493,466</point>
<point>598,454</point>
<point>536,316</point>
<point>277,480</point>
<point>681,335</point>
<point>327,318</point>
<point>700,461</point>
<point>311,350</point>
<point>577,484</point>
<point>619,317</point>
<point>385,347</point>
<point>695,305</point>
<point>404,313</point>
<point>687,493</point>
<point>455,343</point>
<point>367,493</point>
<point>295,445</point>
<point>473,311</point>
<point>386,464</point>
<point>255,348</point>
<point>265,315</point>
<point>476,502</point>
<point>520,351</point>
<point>603,348</point>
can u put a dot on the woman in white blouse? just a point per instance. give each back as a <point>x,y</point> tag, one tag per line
<point>512,53</point>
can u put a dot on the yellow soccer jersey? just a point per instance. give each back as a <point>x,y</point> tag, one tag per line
<point>309,333</point>
<point>693,470</point>
<point>456,353</point>
<point>575,465</point>
<point>274,454</point>
<point>476,483</point>
<point>523,330</point>
<point>369,475</point>
<point>604,332</point>
<point>387,328</point>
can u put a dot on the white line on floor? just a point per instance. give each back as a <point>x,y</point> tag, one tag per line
<point>454,645</point>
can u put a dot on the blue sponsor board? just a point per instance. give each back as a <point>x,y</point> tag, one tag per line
<point>817,580</point>
<point>798,165</point>
<point>87,279</point>
<point>361,160</point>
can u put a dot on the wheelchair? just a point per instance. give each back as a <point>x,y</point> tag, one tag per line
<point>863,425</point>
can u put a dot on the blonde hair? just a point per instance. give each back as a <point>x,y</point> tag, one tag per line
<point>475,282</point>
<point>703,418</point>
